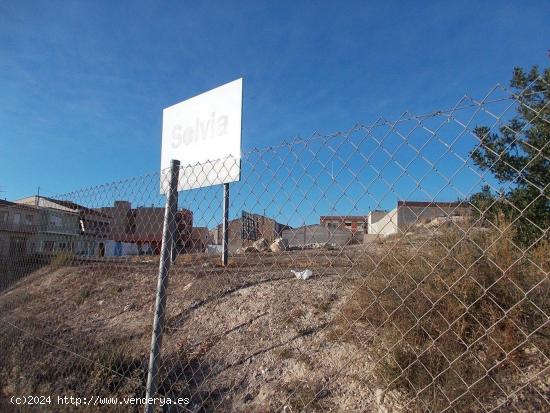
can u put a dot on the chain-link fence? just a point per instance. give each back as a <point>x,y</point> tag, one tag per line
<point>400,266</point>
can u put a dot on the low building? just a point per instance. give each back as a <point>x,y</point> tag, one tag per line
<point>357,224</point>
<point>318,234</point>
<point>408,214</point>
<point>353,223</point>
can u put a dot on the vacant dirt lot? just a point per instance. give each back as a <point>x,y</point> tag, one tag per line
<point>247,338</point>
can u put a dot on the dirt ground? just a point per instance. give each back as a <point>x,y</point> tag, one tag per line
<point>250,337</point>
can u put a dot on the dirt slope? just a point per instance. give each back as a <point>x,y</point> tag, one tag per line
<point>248,338</point>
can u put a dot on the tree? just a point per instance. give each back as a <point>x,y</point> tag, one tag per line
<point>519,155</point>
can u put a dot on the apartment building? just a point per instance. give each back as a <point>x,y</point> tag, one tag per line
<point>66,225</point>
<point>19,226</point>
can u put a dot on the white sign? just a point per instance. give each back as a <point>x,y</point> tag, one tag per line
<point>204,134</point>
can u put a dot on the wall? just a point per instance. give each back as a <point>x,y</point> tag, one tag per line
<point>374,217</point>
<point>411,213</point>
<point>414,213</point>
<point>384,223</point>
<point>312,234</point>
<point>199,239</point>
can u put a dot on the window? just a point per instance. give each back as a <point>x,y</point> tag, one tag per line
<point>28,219</point>
<point>249,226</point>
<point>55,220</point>
<point>4,216</point>
<point>17,218</point>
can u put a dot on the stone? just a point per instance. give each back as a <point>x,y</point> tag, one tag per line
<point>246,250</point>
<point>279,245</point>
<point>379,395</point>
<point>261,245</point>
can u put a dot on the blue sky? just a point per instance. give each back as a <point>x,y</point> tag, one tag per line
<point>83,84</point>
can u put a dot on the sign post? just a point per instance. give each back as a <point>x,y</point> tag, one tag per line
<point>225,242</point>
<point>203,134</point>
<point>168,236</point>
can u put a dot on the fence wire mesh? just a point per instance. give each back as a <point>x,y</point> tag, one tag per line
<point>398,266</point>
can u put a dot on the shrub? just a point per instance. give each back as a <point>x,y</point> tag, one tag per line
<point>451,319</point>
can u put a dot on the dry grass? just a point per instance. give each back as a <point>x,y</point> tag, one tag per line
<point>306,396</point>
<point>452,318</point>
<point>62,259</point>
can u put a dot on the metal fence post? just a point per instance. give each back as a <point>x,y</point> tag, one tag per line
<point>225,252</point>
<point>174,251</point>
<point>168,234</point>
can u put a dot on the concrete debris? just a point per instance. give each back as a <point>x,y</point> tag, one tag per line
<point>246,250</point>
<point>314,246</point>
<point>302,275</point>
<point>279,245</point>
<point>261,245</point>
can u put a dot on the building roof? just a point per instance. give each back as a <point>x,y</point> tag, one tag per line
<point>431,203</point>
<point>344,217</point>
<point>76,207</point>
<point>7,203</point>
<point>4,202</point>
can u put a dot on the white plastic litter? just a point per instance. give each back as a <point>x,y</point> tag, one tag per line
<point>302,275</point>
